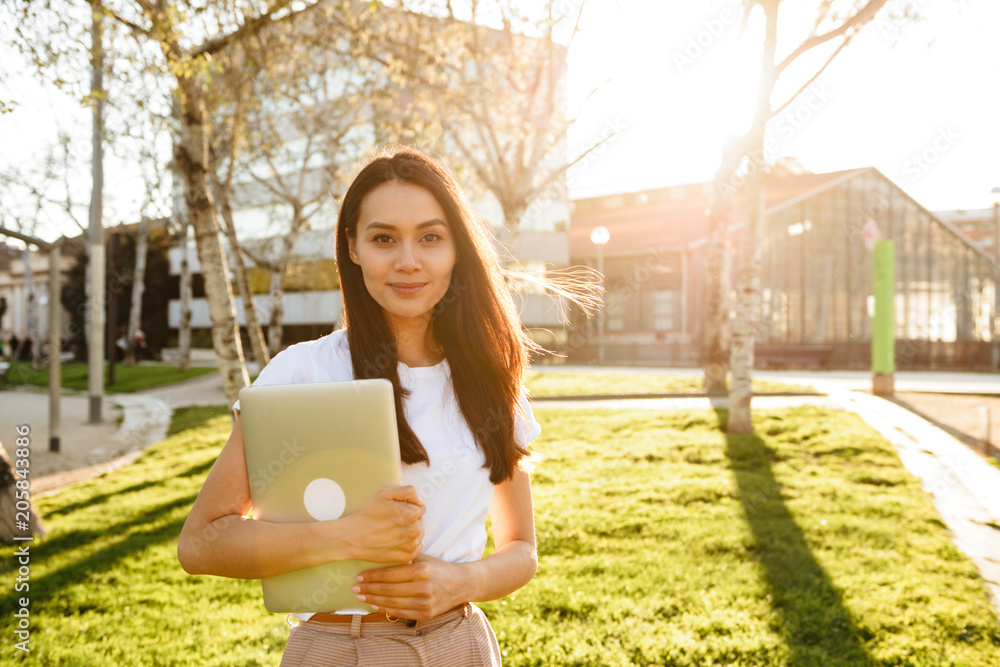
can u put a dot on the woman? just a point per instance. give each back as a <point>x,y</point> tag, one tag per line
<point>426,308</point>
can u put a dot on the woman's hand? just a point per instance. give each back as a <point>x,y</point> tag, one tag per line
<point>420,590</point>
<point>430,586</point>
<point>388,527</point>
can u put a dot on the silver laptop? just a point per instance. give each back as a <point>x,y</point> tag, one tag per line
<point>314,453</point>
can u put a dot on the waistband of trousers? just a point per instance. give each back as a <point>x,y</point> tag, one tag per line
<point>387,621</point>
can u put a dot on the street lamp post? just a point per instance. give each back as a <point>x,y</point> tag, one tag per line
<point>995,333</point>
<point>599,236</point>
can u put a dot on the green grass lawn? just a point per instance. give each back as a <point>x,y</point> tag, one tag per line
<point>127,378</point>
<point>562,383</point>
<point>662,541</point>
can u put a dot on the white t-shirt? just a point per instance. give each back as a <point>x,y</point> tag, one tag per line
<point>455,487</point>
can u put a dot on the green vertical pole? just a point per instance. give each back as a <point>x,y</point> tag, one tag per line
<point>884,322</point>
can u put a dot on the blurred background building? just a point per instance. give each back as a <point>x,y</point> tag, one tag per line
<point>17,291</point>
<point>981,226</point>
<point>816,276</point>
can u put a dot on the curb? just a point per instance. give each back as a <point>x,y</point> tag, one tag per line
<point>700,394</point>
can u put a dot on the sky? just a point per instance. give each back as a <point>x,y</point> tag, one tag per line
<point>919,100</point>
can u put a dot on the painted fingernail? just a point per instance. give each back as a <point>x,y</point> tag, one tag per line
<point>355,589</point>
<point>361,598</point>
<point>375,607</point>
<point>360,578</point>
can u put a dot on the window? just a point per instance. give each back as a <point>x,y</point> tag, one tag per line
<point>615,304</point>
<point>664,310</point>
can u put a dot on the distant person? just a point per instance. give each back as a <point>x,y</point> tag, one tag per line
<point>121,344</point>
<point>140,344</point>
<point>419,278</point>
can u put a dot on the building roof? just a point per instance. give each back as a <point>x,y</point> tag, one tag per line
<point>675,217</point>
<point>979,225</point>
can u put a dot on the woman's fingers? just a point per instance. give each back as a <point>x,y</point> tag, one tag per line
<point>418,590</point>
<point>390,574</point>
<point>389,525</point>
<point>405,494</point>
<point>403,586</point>
<point>404,600</point>
<point>406,589</point>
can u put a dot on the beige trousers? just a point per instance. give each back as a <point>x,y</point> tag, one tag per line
<point>461,637</point>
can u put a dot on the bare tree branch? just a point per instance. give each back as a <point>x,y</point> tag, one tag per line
<point>818,73</point>
<point>863,15</point>
<point>556,173</point>
<point>252,27</point>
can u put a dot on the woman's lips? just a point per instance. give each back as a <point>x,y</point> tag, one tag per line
<point>407,288</point>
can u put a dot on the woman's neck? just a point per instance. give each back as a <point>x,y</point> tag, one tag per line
<point>415,342</point>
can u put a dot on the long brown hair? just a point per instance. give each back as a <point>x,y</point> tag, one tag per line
<point>475,322</point>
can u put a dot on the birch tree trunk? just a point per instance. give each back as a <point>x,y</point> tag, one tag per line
<point>715,334</point>
<point>96,248</point>
<point>277,295</point>
<point>512,215</point>
<point>512,225</point>
<point>87,314</point>
<point>192,161</point>
<point>184,326</point>
<point>748,288</point>
<point>254,330</point>
<point>715,339</point>
<point>138,288</point>
<point>275,329</point>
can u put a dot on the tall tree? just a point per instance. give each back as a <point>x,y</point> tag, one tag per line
<point>230,99</point>
<point>184,326</point>
<point>836,23</point>
<point>145,136</point>
<point>715,325</point>
<point>495,92</point>
<point>189,37</point>
<point>132,338</point>
<point>72,45</point>
<point>296,160</point>
<point>95,230</point>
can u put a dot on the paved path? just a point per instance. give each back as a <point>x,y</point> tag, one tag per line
<point>932,381</point>
<point>692,403</point>
<point>89,449</point>
<point>81,443</point>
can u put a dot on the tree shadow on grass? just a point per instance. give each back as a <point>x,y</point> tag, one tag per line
<point>194,416</point>
<point>818,629</point>
<point>192,471</point>
<point>47,586</point>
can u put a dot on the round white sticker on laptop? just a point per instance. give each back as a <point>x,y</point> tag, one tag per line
<point>324,499</point>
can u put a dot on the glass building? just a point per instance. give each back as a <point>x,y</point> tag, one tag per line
<point>816,276</point>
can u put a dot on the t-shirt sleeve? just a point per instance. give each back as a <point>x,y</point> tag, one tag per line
<point>285,368</point>
<point>526,427</point>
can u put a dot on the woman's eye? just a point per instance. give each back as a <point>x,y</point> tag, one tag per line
<point>382,239</point>
<point>432,238</point>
